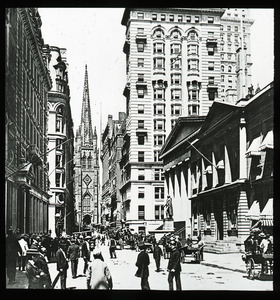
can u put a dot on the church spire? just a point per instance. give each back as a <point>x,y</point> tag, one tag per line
<point>86,125</point>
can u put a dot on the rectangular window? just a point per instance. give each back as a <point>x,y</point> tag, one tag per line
<point>141,139</point>
<point>140,47</point>
<point>162,17</point>
<point>159,109</point>
<point>210,50</point>
<point>140,93</point>
<point>175,48</point>
<point>175,78</point>
<point>140,62</point>
<point>211,80</point>
<point>171,18</point>
<point>230,79</point>
<point>228,28</point>
<point>235,28</point>
<point>140,123</point>
<point>141,213</point>
<point>223,78</point>
<point>211,95</point>
<point>159,212</point>
<point>140,77</point>
<point>158,94</point>
<point>141,176</point>
<point>159,125</point>
<point>180,18</point>
<point>140,30</point>
<point>210,34</point>
<point>176,109</point>
<point>57,179</point>
<point>175,94</point>
<point>159,192</point>
<point>156,155</point>
<point>196,19</point>
<point>211,20</point>
<point>159,140</point>
<point>158,174</point>
<point>141,156</point>
<point>154,17</point>
<point>211,66</point>
<point>140,15</point>
<point>158,63</point>
<point>140,108</point>
<point>188,19</point>
<point>176,63</point>
<point>158,48</point>
<point>192,49</point>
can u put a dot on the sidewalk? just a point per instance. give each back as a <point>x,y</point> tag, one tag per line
<point>227,261</point>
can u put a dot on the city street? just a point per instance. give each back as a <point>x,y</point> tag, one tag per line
<point>193,276</point>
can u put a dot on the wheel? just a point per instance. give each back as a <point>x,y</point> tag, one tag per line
<point>250,266</point>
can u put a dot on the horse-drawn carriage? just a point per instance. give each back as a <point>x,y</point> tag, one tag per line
<point>191,253</point>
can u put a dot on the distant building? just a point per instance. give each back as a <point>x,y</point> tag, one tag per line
<point>220,172</point>
<point>112,213</point>
<point>179,62</point>
<point>27,83</point>
<point>86,167</point>
<point>61,144</point>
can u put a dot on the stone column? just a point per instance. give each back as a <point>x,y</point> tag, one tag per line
<point>243,224</point>
<point>228,178</point>
<point>242,149</point>
<point>215,172</point>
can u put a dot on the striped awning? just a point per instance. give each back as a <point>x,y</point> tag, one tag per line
<point>254,211</point>
<point>267,212</point>
<point>267,142</point>
<point>253,149</point>
<point>267,222</point>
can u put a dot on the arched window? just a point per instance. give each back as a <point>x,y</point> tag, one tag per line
<point>229,69</point>
<point>192,35</point>
<point>175,34</point>
<point>60,119</point>
<point>158,34</point>
<point>223,68</point>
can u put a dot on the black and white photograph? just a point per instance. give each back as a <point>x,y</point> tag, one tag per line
<point>139,149</point>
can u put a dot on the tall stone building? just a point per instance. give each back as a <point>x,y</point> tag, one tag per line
<point>27,83</point>
<point>111,154</point>
<point>179,61</point>
<point>61,141</point>
<point>86,176</point>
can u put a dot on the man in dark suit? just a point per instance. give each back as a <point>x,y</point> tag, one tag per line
<point>62,263</point>
<point>142,263</point>
<point>73,253</point>
<point>174,266</point>
<point>86,252</point>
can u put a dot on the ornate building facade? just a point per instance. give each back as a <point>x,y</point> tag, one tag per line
<point>86,178</point>
<point>179,62</point>
<point>27,83</point>
<point>61,144</point>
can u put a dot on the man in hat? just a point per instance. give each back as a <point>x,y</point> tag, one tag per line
<point>142,263</point>
<point>62,263</point>
<point>98,276</point>
<point>174,266</point>
<point>13,250</point>
<point>157,256</point>
<point>37,270</point>
<point>86,252</point>
<point>73,254</point>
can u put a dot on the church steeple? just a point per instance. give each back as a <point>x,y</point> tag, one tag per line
<point>85,129</point>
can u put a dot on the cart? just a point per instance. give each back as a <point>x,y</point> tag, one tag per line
<point>191,253</point>
<point>258,265</point>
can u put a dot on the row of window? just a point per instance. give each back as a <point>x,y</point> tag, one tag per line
<point>179,18</point>
<point>158,192</point>
<point>158,174</point>
<point>232,28</point>
<point>141,156</point>
<point>159,212</point>
<point>158,141</point>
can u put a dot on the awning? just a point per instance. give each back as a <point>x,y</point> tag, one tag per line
<point>267,222</point>
<point>254,211</point>
<point>208,170</point>
<point>253,149</point>
<point>267,142</point>
<point>267,212</point>
<point>220,164</point>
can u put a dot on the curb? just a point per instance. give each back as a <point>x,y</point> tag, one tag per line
<point>221,267</point>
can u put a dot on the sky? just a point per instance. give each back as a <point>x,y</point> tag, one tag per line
<point>95,36</point>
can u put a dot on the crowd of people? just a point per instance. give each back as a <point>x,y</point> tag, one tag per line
<point>32,252</point>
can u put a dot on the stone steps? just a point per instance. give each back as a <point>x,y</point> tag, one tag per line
<point>221,247</point>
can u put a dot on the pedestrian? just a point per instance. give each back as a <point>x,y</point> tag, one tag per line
<point>86,253</point>
<point>99,276</point>
<point>189,240</point>
<point>157,255</point>
<point>33,272</point>
<point>62,263</point>
<point>13,250</point>
<point>24,247</point>
<point>112,247</point>
<point>73,254</point>
<point>142,263</point>
<point>200,244</point>
<point>174,267</point>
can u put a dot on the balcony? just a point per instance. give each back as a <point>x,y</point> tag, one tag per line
<point>141,38</point>
<point>211,41</point>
